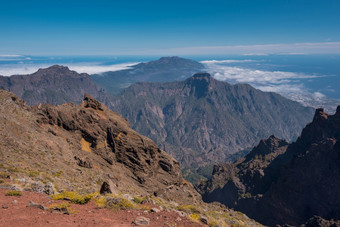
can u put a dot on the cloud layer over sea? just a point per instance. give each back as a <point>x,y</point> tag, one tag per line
<point>288,84</point>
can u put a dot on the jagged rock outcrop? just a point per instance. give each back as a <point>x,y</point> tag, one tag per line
<point>202,121</point>
<point>291,183</point>
<point>232,182</point>
<point>80,146</point>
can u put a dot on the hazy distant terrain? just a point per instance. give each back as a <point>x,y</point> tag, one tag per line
<point>203,121</point>
<point>164,69</point>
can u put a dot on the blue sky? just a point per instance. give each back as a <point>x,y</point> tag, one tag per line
<point>169,27</point>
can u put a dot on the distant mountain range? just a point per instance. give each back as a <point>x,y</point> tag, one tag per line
<point>164,69</point>
<point>281,183</point>
<point>201,121</point>
<point>55,85</point>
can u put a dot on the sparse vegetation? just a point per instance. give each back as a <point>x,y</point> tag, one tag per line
<point>13,193</point>
<point>138,199</point>
<point>63,206</point>
<point>33,173</point>
<point>73,197</point>
<point>188,209</point>
<point>194,217</point>
<point>114,202</point>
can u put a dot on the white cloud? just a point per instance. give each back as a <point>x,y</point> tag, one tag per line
<point>245,75</point>
<point>16,69</point>
<point>92,69</point>
<point>287,84</point>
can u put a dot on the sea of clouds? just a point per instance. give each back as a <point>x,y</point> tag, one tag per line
<point>90,68</point>
<point>288,84</point>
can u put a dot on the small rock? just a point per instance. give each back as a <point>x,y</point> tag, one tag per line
<point>174,204</point>
<point>38,187</point>
<point>128,197</point>
<point>4,206</point>
<point>110,201</point>
<point>84,163</point>
<point>62,210</point>
<point>49,189</point>
<point>36,205</point>
<point>15,201</point>
<point>154,210</point>
<point>178,219</point>
<point>107,187</point>
<point>204,220</point>
<point>141,221</point>
<point>148,201</point>
<point>181,213</point>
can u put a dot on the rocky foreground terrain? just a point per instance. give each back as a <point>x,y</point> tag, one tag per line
<point>282,183</point>
<point>88,154</point>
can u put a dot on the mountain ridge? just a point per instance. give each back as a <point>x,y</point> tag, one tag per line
<point>162,70</point>
<point>220,118</point>
<point>289,184</point>
<point>55,84</point>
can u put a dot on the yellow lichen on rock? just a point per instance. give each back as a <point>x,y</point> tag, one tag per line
<point>85,146</point>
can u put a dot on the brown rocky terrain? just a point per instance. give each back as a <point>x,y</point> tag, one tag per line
<point>14,211</point>
<point>280,183</point>
<point>72,152</point>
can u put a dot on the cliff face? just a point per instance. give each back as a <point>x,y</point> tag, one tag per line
<point>80,146</point>
<point>55,85</point>
<point>291,183</point>
<point>202,121</point>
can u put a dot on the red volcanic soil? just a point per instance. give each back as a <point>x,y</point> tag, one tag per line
<point>13,212</point>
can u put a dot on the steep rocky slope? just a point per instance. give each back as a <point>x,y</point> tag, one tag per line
<point>54,85</point>
<point>164,69</point>
<point>285,184</point>
<point>74,150</point>
<point>202,121</point>
<point>82,146</point>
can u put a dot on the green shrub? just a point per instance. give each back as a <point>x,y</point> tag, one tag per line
<point>138,200</point>
<point>13,193</point>
<point>63,206</point>
<point>114,203</point>
<point>73,197</point>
